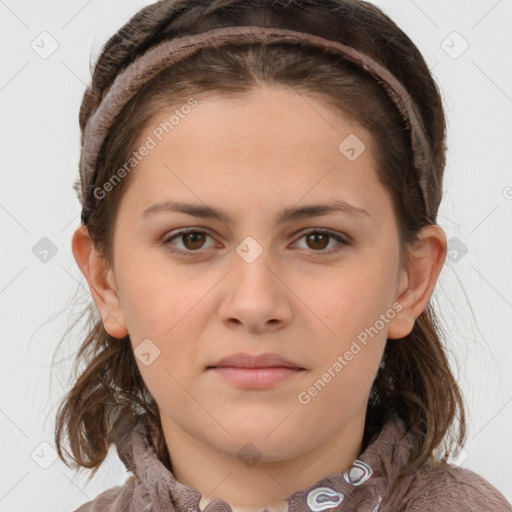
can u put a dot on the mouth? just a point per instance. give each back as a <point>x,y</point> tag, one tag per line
<point>255,371</point>
<point>249,367</point>
<point>256,378</point>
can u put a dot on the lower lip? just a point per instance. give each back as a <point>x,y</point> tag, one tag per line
<point>256,378</point>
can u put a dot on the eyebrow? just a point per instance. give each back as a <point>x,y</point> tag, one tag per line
<point>285,215</point>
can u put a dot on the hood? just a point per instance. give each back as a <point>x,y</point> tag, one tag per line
<point>361,487</point>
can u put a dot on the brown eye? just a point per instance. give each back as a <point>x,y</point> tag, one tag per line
<point>193,240</point>
<point>319,241</point>
<point>187,242</point>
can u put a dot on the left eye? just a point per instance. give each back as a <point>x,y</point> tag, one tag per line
<point>193,240</point>
<point>319,239</point>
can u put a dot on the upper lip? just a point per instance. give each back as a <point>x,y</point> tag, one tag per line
<point>244,360</point>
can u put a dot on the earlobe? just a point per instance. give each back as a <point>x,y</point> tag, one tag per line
<point>101,281</point>
<point>417,284</point>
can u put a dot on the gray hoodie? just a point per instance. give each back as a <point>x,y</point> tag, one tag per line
<point>368,485</point>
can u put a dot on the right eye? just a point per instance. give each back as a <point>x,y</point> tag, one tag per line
<point>191,239</point>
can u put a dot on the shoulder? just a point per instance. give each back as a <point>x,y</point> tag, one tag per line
<point>121,498</point>
<point>453,489</point>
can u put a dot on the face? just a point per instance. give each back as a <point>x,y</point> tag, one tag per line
<point>315,287</point>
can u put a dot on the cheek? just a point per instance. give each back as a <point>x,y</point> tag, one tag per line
<point>168,309</point>
<point>155,297</point>
<point>355,308</point>
<point>349,353</point>
<point>166,315</point>
<point>351,299</point>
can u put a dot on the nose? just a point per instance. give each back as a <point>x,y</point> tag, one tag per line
<point>255,296</point>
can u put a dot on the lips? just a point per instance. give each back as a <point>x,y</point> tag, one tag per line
<point>256,372</point>
<point>244,360</point>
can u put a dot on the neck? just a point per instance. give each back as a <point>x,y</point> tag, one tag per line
<point>263,485</point>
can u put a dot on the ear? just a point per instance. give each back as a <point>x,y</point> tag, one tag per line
<point>101,280</point>
<point>416,284</point>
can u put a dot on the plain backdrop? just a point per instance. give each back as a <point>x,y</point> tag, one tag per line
<point>46,52</point>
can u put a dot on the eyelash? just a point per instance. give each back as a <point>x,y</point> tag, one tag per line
<point>341,240</point>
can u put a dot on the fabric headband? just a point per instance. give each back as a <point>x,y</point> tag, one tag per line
<point>159,57</point>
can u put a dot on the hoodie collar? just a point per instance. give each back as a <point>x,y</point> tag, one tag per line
<point>361,487</point>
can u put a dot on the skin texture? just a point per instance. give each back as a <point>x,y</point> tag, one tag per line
<point>253,156</point>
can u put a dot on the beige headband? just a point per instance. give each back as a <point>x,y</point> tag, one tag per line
<point>156,59</point>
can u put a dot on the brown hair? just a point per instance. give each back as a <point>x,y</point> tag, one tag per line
<point>414,379</point>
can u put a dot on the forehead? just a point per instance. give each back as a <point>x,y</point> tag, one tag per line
<point>274,145</point>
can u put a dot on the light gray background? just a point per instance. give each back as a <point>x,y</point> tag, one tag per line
<point>39,102</point>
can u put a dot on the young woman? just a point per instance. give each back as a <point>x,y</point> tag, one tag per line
<point>260,183</point>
